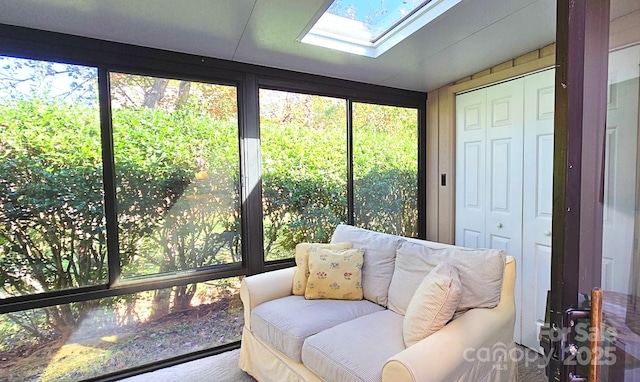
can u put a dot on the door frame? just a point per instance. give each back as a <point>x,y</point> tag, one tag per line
<point>582,30</point>
<point>582,48</point>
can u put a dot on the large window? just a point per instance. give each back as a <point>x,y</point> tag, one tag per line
<point>138,187</point>
<point>176,155</point>
<point>385,168</point>
<point>52,225</point>
<point>304,172</point>
<point>77,341</point>
<point>177,174</point>
<point>311,181</point>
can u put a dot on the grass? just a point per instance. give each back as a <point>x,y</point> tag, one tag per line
<point>92,351</point>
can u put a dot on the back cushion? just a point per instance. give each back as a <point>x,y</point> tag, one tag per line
<point>379,259</point>
<point>480,272</point>
<point>410,270</point>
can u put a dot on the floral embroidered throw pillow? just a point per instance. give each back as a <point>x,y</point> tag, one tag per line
<point>335,274</point>
<point>301,273</point>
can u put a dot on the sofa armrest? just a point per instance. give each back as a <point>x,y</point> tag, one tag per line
<point>480,336</point>
<point>263,287</point>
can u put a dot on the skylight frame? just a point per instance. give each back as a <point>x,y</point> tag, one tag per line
<point>335,32</point>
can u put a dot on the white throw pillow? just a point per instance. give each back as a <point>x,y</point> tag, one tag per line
<point>432,305</point>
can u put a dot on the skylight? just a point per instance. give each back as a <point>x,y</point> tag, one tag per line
<point>370,28</point>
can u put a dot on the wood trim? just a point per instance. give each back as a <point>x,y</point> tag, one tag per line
<point>595,342</point>
<point>505,74</point>
<point>625,30</point>
<point>433,170</point>
<point>548,50</point>
<point>446,165</point>
<point>529,57</point>
<point>503,66</point>
<point>481,74</point>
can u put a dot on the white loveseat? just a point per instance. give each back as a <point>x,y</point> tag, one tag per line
<point>289,338</point>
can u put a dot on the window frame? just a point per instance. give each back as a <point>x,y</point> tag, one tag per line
<point>375,98</point>
<point>332,31</point>
<point>27,43</point>
<point>114,286</point>
<point>109,179</point>
<point>273,85</point>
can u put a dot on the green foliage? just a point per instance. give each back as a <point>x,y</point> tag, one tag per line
<point>386,201</point>
<point>178,173</point>
<point>385,168</point>
<point>51,220</point>
<point>23,329</point>
<point>303,174</point>
<point>304,167</point>
<point>177,189</point>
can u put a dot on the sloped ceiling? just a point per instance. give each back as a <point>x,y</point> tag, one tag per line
<point>472,36</point>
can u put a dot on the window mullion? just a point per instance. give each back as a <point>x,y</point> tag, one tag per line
<point>109,175</point>
<point>251,175</point>
<point>350,196</point>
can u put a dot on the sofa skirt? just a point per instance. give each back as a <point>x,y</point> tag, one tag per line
<point>265,364</point>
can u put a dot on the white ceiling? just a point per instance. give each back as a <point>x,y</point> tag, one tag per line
<point>471,37</point>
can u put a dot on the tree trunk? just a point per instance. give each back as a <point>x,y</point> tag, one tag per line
<point>62,319</point>
<point>184,295</point>
<point>161,303</point>
<point>153,96</point>
<point>183,94</point>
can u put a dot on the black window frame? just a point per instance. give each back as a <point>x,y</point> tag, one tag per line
<point>106,56</point>
<point>351,97</point>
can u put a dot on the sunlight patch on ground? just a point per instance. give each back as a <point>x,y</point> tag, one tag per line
<point>111,339</point>
<point>72,356</point>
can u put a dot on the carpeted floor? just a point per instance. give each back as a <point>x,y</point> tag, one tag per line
<point>531,366</point>
<point>220,368</point>
<point>223,368</point>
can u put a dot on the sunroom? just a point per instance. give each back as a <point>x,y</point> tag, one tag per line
<point>155,153</point>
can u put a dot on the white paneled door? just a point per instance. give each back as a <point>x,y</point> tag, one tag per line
<point>504,174</point>
<point>504,137</point>
<point>471,122</point>
<point>489,144</point>
<point>504,177</point>
<point>537,203</point>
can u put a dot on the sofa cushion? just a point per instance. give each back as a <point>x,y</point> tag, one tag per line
<point>410,270</point>
<point>379,258</point>
<point>480,272</point>
<point>284,323</point>
<point>335,274</point>
<point>432,305</point>
<point>301,273</point>
<point>355,350</point>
